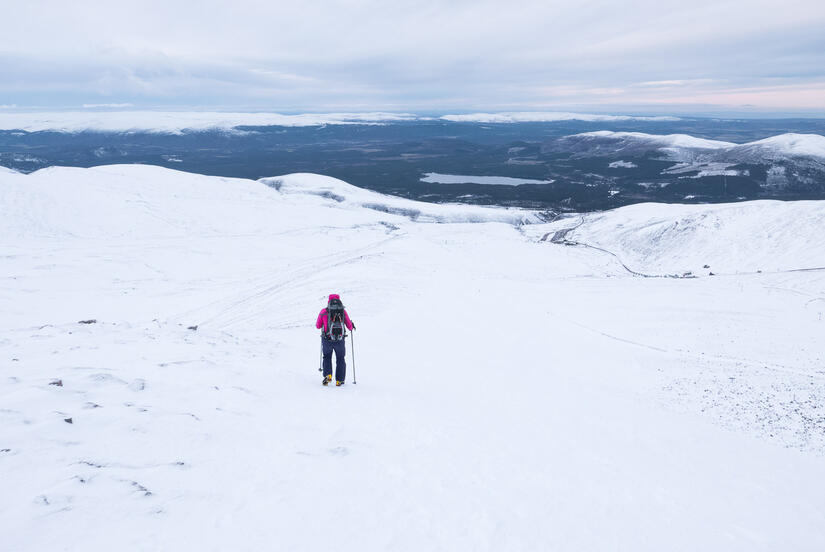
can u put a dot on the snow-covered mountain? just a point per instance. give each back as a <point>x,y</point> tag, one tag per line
<point>519,387</point>
<point>734,238</point>
<point>675,147</point>
<point>680,147</point>
<point>780,147</point>
<point>787,163</point>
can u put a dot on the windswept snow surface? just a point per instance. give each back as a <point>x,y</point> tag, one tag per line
<point>514,393</point>
<point>175,122</point>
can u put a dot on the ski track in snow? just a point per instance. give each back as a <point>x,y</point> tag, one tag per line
<point>584,409</point>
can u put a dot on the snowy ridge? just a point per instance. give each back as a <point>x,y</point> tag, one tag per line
<point>730,238</point>
<point>349,196</point>
<point>176,122</point>
<point>545,117</point>
<point>123,201</point>
<point>152,197</point>
<point>659,140</point>
<point>790,144</point>
<point>783,145</point>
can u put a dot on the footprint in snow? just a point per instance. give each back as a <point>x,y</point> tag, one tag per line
<point>338,451</point>
<point>138,487</point>
<point>105,378</point>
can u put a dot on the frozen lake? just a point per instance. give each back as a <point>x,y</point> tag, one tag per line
<point>437,178</point>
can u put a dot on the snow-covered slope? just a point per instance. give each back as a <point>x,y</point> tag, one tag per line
<point>676,147</point>
<point>349,196</point>
<point>782,146</point>
<point>731,238</point>
<point>655,140</point>
<point>681,146</point>
<point>90,202</point>
<point>514,393</point>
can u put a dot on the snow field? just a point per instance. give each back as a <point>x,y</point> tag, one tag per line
<point>542,398</point>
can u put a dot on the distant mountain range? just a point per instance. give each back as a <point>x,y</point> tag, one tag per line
<point>558,162</point>
<point>783,164</point>
<point>176,122</point>
<point>679,147</point>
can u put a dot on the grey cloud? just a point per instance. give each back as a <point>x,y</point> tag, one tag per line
<point>404,55</point>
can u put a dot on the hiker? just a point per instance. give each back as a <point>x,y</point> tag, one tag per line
<point>331,321</point>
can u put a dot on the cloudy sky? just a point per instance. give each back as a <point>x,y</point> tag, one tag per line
<point>422,56</point>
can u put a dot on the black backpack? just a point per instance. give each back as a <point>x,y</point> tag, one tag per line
<point>335,320</point>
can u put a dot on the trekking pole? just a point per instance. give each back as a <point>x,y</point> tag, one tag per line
<point>321,359</point>
<point>352,340</point>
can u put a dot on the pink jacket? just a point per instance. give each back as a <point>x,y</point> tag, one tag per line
<point>323,322</point>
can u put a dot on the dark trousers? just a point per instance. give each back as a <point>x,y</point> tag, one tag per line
<point>340,364</point>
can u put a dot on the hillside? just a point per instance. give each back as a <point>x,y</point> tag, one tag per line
<point>518,389</point>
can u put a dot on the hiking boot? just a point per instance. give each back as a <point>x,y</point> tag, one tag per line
<point>327,379</point>
<point>339,383</point>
